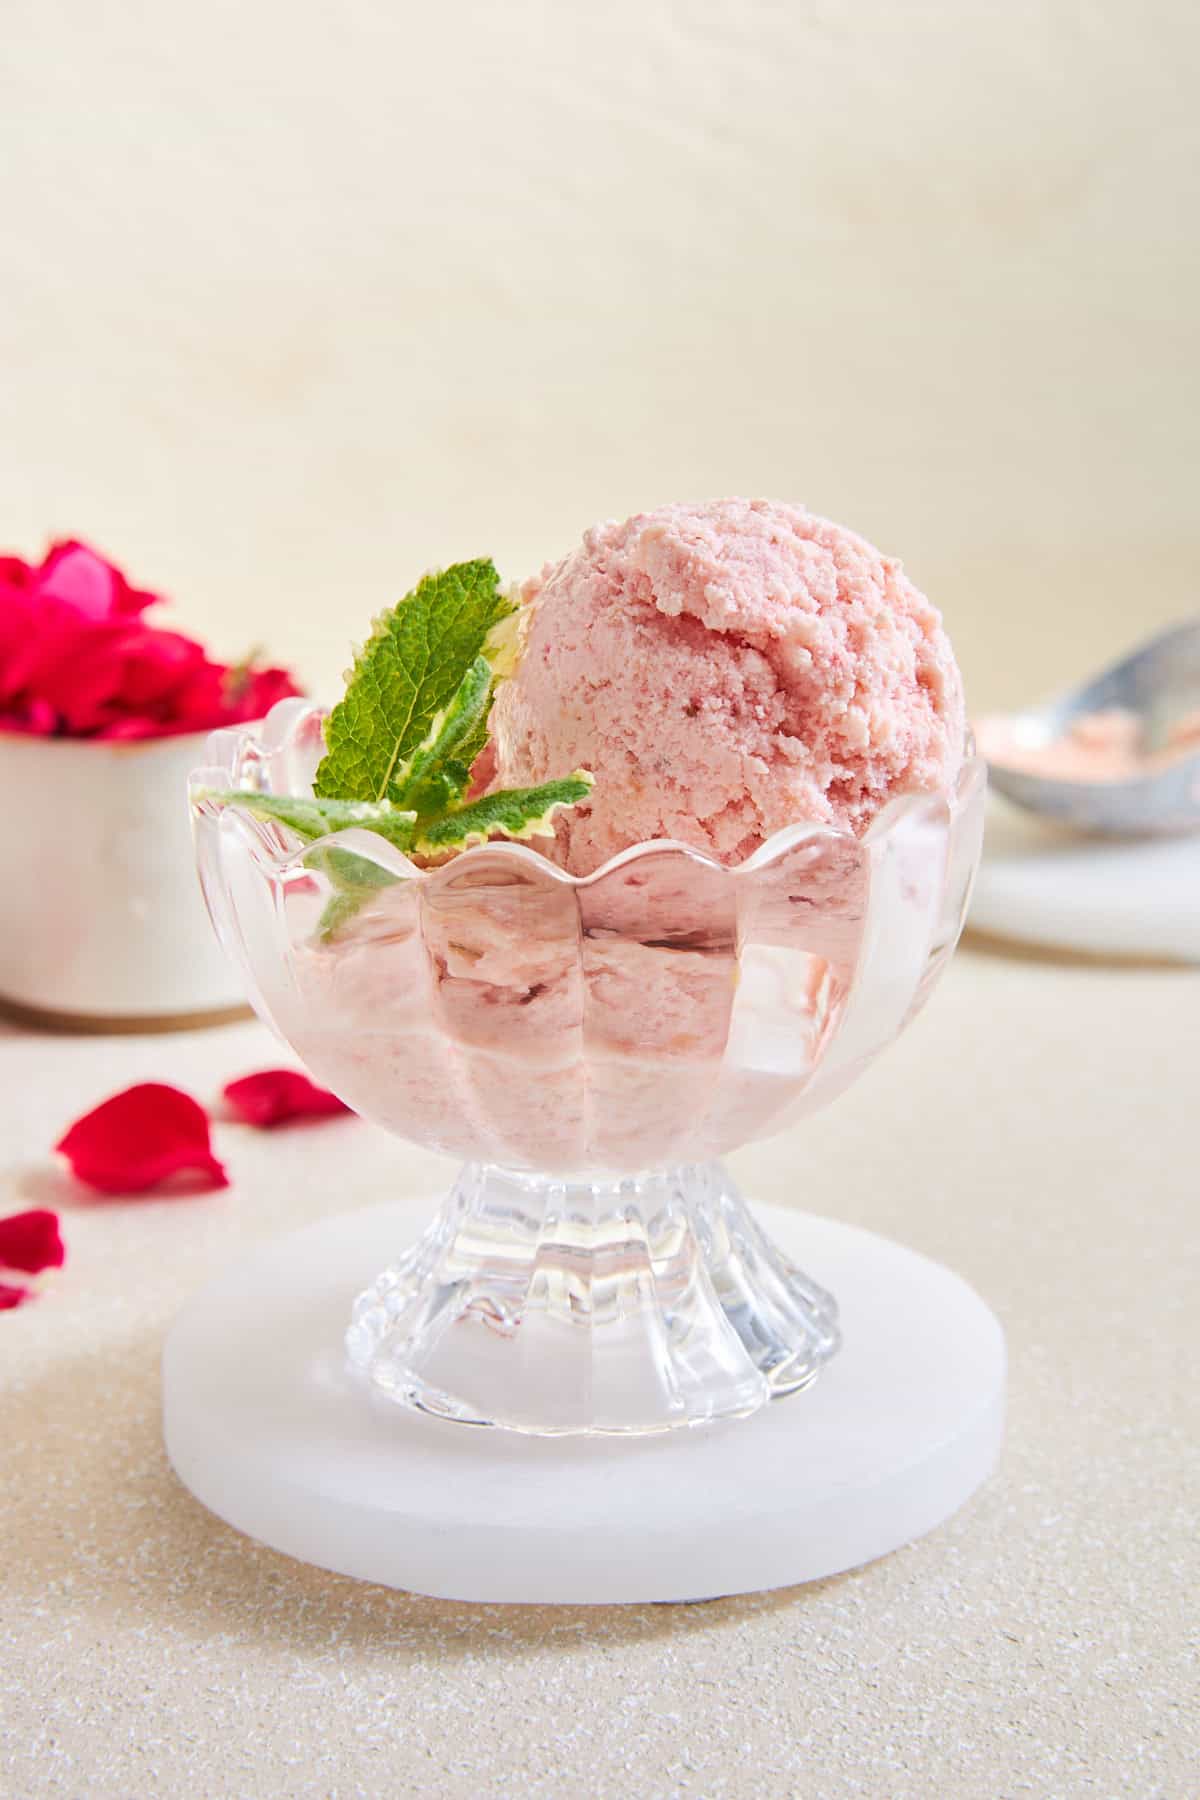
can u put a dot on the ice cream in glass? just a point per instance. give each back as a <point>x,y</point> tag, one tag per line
<point>705,842</point>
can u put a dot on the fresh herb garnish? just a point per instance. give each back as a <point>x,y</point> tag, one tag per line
<point>407,677</point>
<point>401,741</point>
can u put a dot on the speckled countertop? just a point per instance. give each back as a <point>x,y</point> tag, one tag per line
<point>1036,1129</point>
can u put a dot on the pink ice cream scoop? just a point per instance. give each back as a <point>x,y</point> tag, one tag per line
<point>725,670</point>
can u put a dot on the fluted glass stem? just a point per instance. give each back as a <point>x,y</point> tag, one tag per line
<point>563,1306</point>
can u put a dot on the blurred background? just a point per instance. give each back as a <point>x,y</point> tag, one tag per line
<point>301,299</point>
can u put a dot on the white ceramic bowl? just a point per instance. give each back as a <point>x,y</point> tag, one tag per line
<point>102,921</point>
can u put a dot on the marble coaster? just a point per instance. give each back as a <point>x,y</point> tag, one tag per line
<point>270,1430</point>
<point>1042,885</point>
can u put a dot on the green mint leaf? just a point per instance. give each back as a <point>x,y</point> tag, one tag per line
<point>341,907</point>
<point>474,743</point>
<point>516,812</point>
<point>320,818</point>
<point>353,879</point>
<point>437,776</point>
<point>409,672</point>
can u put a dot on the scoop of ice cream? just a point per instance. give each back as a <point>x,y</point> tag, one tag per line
<point>725,670</point>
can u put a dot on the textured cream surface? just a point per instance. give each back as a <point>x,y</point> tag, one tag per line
<point>723,670</point>
<point>299,298</point>
<point>1035,1130</point>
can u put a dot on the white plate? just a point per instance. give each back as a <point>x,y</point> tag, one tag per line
<point>1042,885</point>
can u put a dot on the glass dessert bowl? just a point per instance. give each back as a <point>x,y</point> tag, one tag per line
<point>591,1046</point>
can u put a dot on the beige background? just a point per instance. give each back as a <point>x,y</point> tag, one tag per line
<point>298,299</point>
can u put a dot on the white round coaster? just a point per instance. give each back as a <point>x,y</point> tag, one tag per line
<point>1042,885</point>
<point>270,1430</point>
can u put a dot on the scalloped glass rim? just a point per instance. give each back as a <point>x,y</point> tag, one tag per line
<point>223,769</point>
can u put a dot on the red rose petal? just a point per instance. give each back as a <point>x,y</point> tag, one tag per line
<point>31,1242</point>
<point>37,719</point>
<point>262,690</point>
<point>133,729</point>
<point>34,632</point>
<point>78,671</point>
<point>157,666</point>
<point>16,573</point>
<point>140,1137</point>
<point>74,572</point>
<point>274,1096</point>
<point>13,1296</point>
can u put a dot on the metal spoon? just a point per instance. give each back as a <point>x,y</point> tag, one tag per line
<point>1159,685</point>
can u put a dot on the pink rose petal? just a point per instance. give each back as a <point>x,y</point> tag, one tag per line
<point>139,1139</point>
<point>73,572</point>
<point>11,1297</point>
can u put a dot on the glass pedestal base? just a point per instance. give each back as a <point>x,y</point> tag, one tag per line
<point>575,1307</point>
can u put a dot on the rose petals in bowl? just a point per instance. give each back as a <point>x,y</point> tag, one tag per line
<point>279,1096</point>
<point>77,658</point>
<point>139,1139</point>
